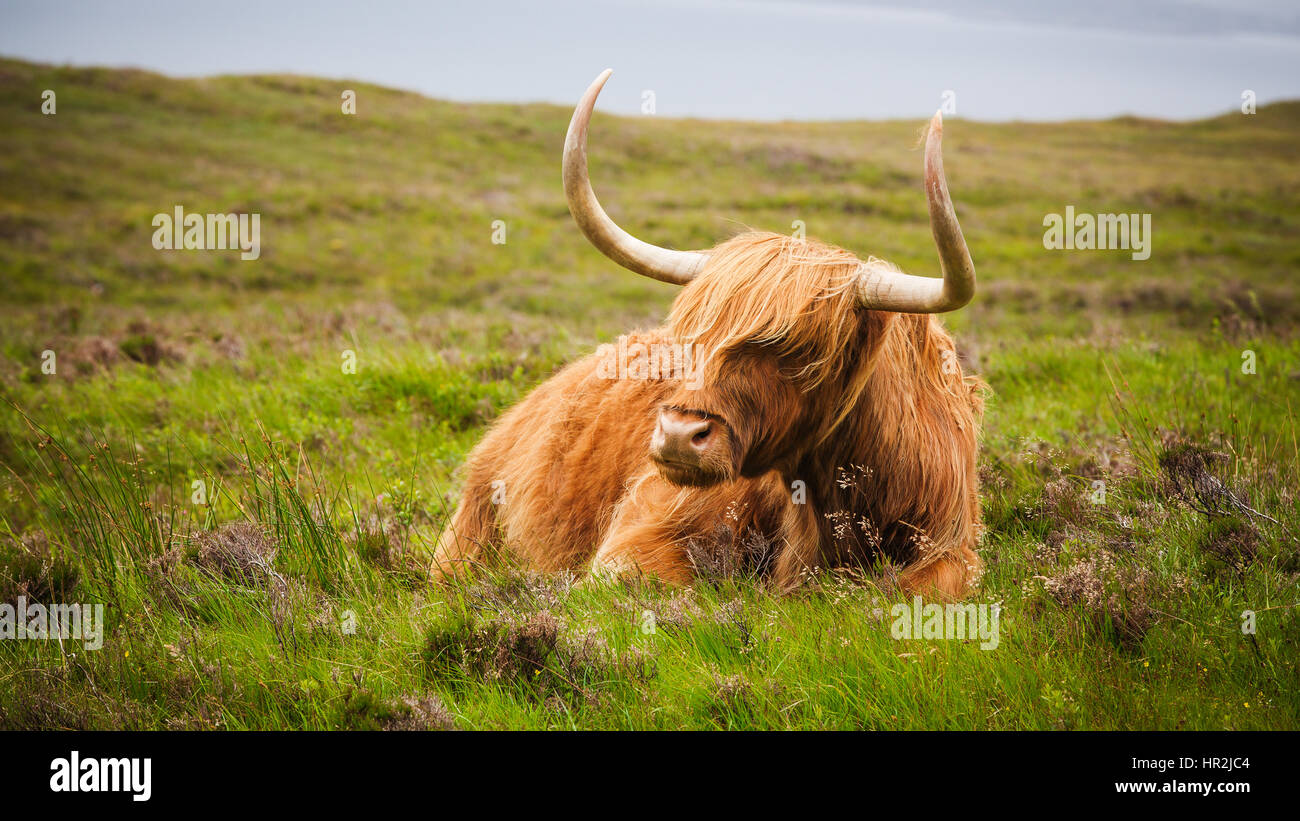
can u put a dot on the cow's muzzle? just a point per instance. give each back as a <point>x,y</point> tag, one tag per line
<point>690,447</point>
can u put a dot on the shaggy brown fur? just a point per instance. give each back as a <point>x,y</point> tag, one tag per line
<point>863,416</point>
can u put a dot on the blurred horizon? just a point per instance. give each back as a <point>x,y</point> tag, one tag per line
<point>721,59</point>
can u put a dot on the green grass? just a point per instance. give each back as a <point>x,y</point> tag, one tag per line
<point>322,486</point>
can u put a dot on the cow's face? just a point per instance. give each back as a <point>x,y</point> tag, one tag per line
<point>743,421</point>
<point>779,347</point>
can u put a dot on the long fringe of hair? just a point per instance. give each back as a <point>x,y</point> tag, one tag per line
<point>796,296</point>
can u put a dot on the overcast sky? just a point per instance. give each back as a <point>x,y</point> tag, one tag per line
<point>752,59</point>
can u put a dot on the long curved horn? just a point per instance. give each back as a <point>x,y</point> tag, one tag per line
<point>664,264</point>
<point>885,290</point>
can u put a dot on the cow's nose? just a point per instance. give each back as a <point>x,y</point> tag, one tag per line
<point>681,438</point>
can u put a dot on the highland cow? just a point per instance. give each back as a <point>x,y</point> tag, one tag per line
<point>828,417</point>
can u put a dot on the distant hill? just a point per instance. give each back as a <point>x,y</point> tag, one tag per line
<point>398,201</point>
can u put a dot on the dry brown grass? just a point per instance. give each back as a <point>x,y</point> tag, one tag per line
<point>30,569</point>
<point>1108,594</point>
<point>239,552</point>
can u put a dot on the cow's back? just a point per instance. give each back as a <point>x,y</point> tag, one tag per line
<point>545,479</point>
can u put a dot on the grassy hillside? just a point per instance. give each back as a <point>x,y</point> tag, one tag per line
<point>320,487</point>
